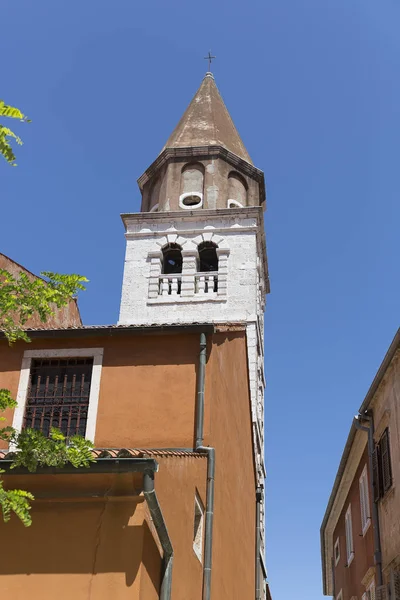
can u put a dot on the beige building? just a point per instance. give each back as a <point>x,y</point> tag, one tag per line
<point>360,533</point>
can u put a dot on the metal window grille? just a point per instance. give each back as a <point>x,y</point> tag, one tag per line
<point>382,468</point>
<point>58,395</point>
<point>385,461</point>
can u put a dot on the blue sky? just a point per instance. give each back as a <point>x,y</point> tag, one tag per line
<point>313,88</point>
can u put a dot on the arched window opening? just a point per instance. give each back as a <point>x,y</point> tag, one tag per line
<point>172,259</point>
<point>237,190</point>
<point>208,259</point>
<point>191,187</point>
<point>207,278</point>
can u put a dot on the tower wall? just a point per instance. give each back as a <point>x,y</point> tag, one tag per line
<point>149,297</point>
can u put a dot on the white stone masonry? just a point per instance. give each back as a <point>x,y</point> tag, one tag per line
<point>233,294</point>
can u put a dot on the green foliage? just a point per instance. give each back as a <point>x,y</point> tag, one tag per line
<point>35,450</point>
<point>6,134</point>
<point>15,501</point>
<point>22,297</point>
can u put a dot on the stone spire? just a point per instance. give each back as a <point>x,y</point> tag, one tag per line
<point>207,122</point>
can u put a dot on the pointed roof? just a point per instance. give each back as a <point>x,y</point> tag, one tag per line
<point>207,122</point>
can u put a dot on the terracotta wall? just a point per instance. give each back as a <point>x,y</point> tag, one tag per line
<point>82,546</point>
<point>78,546</point>
<point>147,399</point>
<point>228,429</point>
<point>147,390</point>
<point>349,578</point>
<point>176,484</point>
<point>68,316</point>
<point>386,408</point>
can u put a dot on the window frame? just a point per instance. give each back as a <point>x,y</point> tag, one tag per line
<point>348,523</point>
<point>336,546</point>
<point>364,501</point>
<point>199,204</point>
<point>22,394</point>
<point>386,483</point>
<point>199,531</point>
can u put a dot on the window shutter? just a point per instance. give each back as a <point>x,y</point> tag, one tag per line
<point>395,585</point>
<point>363,507</point>
<point>385,461</point>
<point>376,481</point>
<point>349,534</point>
<point>371,591</point>
<point>381,592</point>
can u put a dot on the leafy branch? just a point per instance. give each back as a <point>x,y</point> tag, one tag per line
<point>22,297</point>
<point>6,134</point>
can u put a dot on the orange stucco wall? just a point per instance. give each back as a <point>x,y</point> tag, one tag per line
<point>146,383</point>
<point>147,399</point>
<point>229,431</point>
<point>80,546</point>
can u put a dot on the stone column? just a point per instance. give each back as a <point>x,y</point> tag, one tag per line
<point>155,272</point>
<point>222,254</point>
<point>189,268</point>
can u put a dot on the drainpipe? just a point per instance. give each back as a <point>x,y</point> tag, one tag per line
<point>258,544</point>
<point>162,532</point>
<point>210,452</point>
<point>375,514</point>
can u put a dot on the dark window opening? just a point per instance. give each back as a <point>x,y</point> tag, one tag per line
<point>172,259</point>
<point>208,259</point>
<point>192,200</point>
<point>58,395</point>
<point>381,467</point>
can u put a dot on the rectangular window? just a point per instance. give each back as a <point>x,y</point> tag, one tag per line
<point>349,536</point>
<point>58,395</point>
<point>198,527</point>
<point>382,467</point>
<point>385,462</point>
<point>337,551</point>
<point>364,501</point>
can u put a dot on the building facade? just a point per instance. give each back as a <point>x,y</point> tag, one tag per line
<point>67,316</point>
<point>360,536</point>
<point>172,396</point>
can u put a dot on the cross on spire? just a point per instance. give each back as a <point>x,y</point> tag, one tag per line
<point>210,58</point>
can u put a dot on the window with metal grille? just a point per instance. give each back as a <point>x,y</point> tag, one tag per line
<point>382,467</point>
<point>58,395</point>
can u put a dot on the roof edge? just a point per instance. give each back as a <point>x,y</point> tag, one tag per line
<point>117,330</point>
<point>394,346</point>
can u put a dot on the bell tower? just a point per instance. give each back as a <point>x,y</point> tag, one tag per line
<point>196,252</point>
